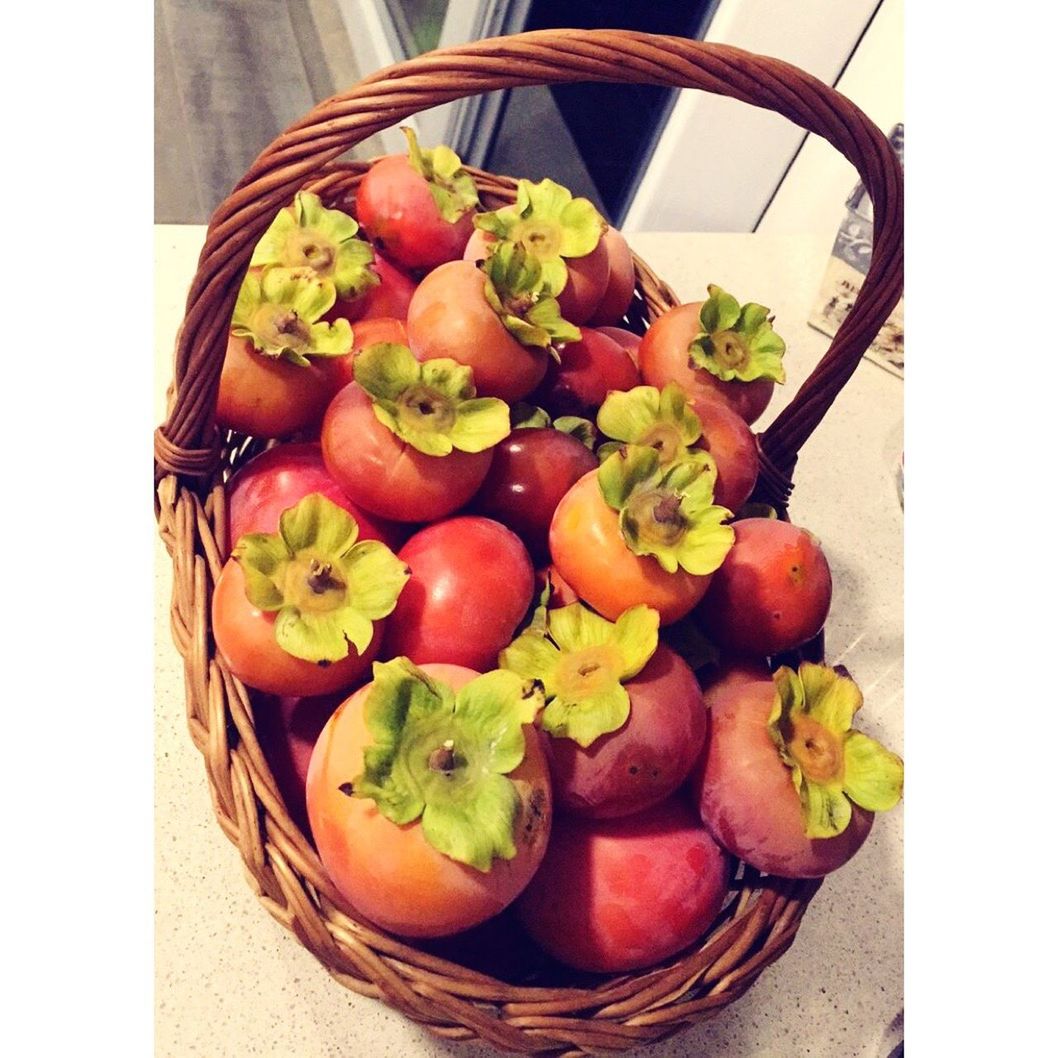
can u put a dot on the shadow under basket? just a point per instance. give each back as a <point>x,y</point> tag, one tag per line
<point>466,988</point>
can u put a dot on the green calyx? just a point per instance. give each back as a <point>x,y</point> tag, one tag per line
<point>550,224</point>
<point>661,420</point>
<point>832,766</point>
<point>279,311</point>
<point>737,341</point>
<point>431,405</point>
<point>667,512</point>
<point>444,757</point>
<point>583,660</point>
<point>451,186</point>
<point>529,416</point>
<point>325,588</point>
<point>518,293</point>
<point>308,235</point>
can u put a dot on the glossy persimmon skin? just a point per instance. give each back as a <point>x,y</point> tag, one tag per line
<point>773,591</point>
<point>471,585</point>
<point>389,873</point>
<point>744,792</point>
<point>245,637</point>
<point>586,277</point>
<point>531,471</point>
<point>628,340</point>
<point>387,476</point>
<point>262,489</point>
<point>663,358</point>
<point>589,552</point>
<point>266,397</point>
<point>620,283</point>
<point>727,437</point>
<point>449,318</point>
<point>622,894</point>
<point>589,370</point>
<point>389,297</point>
<point>647,758</point>
<point>399,215</point>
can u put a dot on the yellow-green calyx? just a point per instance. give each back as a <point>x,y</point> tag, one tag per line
<point>583,660</point>
<point>549,224</point>
<point>661,420</point>
<point>451,186</point>
<point>667,512</point>
<point>737,341</point>
<point>431,405</point>
<point>517,292</point>
<point>279,310</point>
<point>832,766</point>
<point>325,588</point>
<point>308,235</point>
<point>445,756</point>
<point>528,416</point>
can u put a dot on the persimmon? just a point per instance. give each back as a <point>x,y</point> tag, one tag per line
<point>457,843</point>
<point>716,349</point>
<point>679,538</point>
<point>784,783</point>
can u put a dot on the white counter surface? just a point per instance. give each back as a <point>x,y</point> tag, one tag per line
<point>231,982</point>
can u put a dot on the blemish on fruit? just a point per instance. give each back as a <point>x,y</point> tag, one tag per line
<point>346,788</point>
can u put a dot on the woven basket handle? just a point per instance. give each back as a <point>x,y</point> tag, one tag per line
<point>188,443</point>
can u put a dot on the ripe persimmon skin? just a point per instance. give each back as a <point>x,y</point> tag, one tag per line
<point>663,358</point>
<point>389,297</point>
<point>397,211</point>
<point>590,554</point>
<point>620,283</point>
<point>647,758</point>
<point>449,318</point>
<point>387,476</point>
<point>622,894</point>
<point>744,792</point>
<point>268,397</point>
<point>277,479</point>
<point>245,637</point>
<point>771,594</point>
<point>728,438</point>
<point>389,874</point>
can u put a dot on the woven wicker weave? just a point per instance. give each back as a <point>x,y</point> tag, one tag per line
<point>543,1012</point>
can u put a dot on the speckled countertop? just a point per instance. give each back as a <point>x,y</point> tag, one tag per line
<point>231,982</point>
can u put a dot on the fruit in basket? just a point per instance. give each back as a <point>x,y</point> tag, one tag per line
<point>784,783</point>
<point>772,592</point>
<point>471,584</point>
<point>418,208</point>
<point>500,320</point>
<point>621,282</point>
<point>411,441</point>
<point>429,796</point>
<point>625,714</point>
<point>390,296</point>
<point>307,235</point>
<point>562,233</point>
<point>634,532</point>
<point>716,349</point>
<point>729,440</point>
<point>300,611</point>
<point>531,471</point>
<point>262,489</point>
<point>622,894</point>
<point>279,371</point>
<point>589,369</point>
<point>627,340</point>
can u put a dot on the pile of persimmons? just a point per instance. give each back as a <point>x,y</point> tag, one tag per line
<point>514,634</point>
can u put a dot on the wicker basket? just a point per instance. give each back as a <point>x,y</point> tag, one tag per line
<point>537,1009</point>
